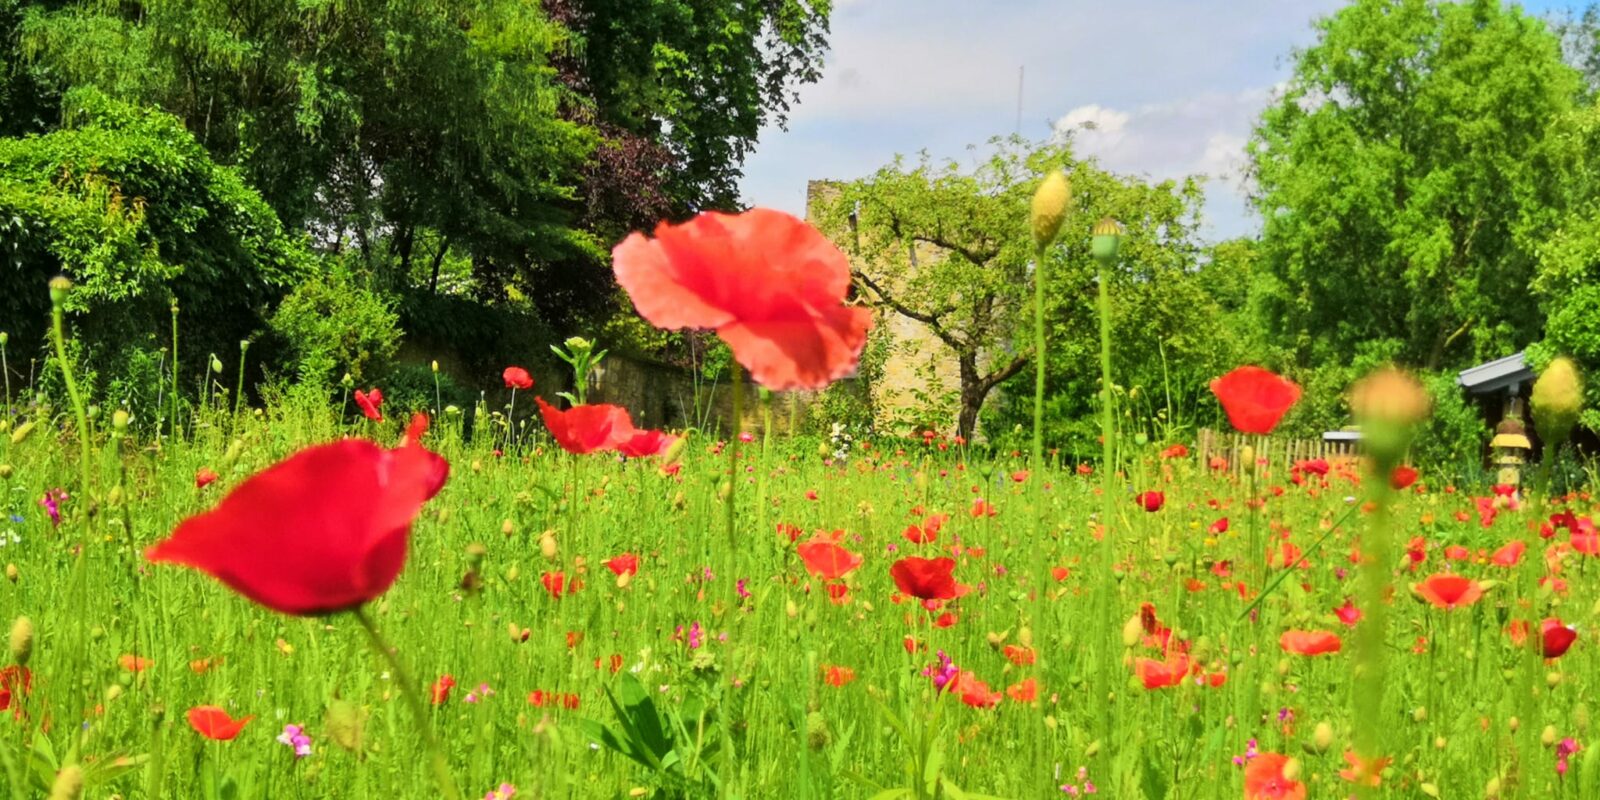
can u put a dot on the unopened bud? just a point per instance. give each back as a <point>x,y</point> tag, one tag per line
<point>434,365</point>
<point>5,338</point>
<point>22,431</point>
<point>119,420</point>
<point>1322,737</point>
<point>216,364</point>
<point>1557,400</point>
<point>69,781</point>
<point>60,287</point>
<point>547,545</point>
<point>1050,204</point>
<point>12,574</point>
<point>21,641</point>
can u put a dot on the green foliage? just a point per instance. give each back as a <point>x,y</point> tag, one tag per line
<point>334,325</point>
<point>483,340</point>
<point>1408,158</point>
<point>409,388</point>
<point>126,203</point>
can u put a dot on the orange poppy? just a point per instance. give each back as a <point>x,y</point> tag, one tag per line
<point>1448,591</point>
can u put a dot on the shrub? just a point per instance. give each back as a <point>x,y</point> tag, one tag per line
<point>331,325</point>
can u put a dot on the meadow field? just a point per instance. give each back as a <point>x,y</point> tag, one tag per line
<point>584,626</point>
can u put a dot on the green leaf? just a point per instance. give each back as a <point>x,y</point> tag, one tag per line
<point>1153,778</point>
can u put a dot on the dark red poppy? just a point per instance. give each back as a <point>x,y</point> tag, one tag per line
<point>1309,643</point>
<point>1402,477</point>
<point>1151,501</point>
<point>517,378</point>
<point>827,560</point>
<point>1555,638</point>
<point>772,287</point>
<point>370,404</point>
<point>625,564</point>
<point>926,578</point>
<point>1449,591</point>
<point>1255,398</point>
<point>587,428</point>
<point>204,477</point>
<point>643,444</point>
<point>324,530</point>
<point>213,722</point>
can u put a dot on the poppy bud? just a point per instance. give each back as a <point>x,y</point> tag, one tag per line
<point>1291,769</point>
<point>119,420</point>
<point>1552,679</point>
<point>1388,403</point>
<point>1557,400</point>
<point>1050,205</point>
<point>1131,630</point>
<point>1420,714</point>
<point>452,411</point>
<point>674,451</point>
<point>1492,788</point>
<point>434,365</point>
<point>113,692</point>
<point>1025,637</point>
<point>1429,789</point>
<point>11,573</point>
<point>21,641</point>
<point>547,545</point>
<point>216,364</point>
<point>60,287</point>
<point>5,471</point>
<point>506,527</point>
<point>791,609</point>
<point>345,724</point>
<point>1322,737</point>
<point>1247,459</point>
<point>4,338</point>
<point>623,579</point>
<point>1513,723</point>
<point>1092,750</point>
<point>1548,736</point>
<point>347,381</point>
<point>69,781</point>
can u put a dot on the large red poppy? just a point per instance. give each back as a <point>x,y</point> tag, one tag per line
<point>1160,674</point>
<point>214,723</point>
<point>588,428</point>
<point>1309,643</point>
<point>772,287</point>
<point>1555,637</point>
<point>1449,591</point>
<point>517,378</point>
<point>926,578</point>
<point>324,530</point>
<point>1255,398</point>
<point>828,560</point>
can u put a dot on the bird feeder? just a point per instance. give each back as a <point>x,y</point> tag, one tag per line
<point>1510,448</point>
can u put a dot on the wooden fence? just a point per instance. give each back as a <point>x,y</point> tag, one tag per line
<point>1280,453</point>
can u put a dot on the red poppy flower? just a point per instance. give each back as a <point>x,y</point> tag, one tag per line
<point>974,692</point>
<point>791,531</point>
<point>1348,613</point>
<point>1176,451</point>
<point>1254,398</point>
<point>14,680</point>
<point>625,564</point>
<point>1364,772</point>
<point>771,286</point>
<point>1509,554</point>
<point>587,428</point>
<point>324,530</point>
<point>643,444</point>
<point>133,663</point>
<point>370,403</point>
<point>1264,779</point>
<point>1555,638</point>
<point>926,578</point>
<point>827,560</point>
<point>1024,691</point>
<point>517,378</point>
<point>1020,655</point>
<point>1160,674</point>
<point>837,676</point>
<point>1151,501</point>
<point>1315,466</point>
<point>1219,527</point>
<point>555,581</point>
<point>204,477</point>
<point>214,723</point>
<point>982,508</point>
<point>1448,591</point>
<point>1309,643</point>
<point>1402,477</point>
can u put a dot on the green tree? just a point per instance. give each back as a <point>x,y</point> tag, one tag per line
<point>1403,176</point>
<point>951,249</point>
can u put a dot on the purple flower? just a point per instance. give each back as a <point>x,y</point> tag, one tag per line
<point>696,636</point>
<point>51,502</point>
<point>942,673</point>
<point>295,736</point>
<point>505,792</point>
<point>744,594</point>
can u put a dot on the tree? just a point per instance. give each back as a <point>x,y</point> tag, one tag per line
<point>1404,176</point>
<point>951,250</point>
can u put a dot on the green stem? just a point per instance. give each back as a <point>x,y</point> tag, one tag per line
<point>413,698</point>
<point>733,451</point>
<point>1371,654</point>
<point>58,334</point>
<point>1108,581</point>
<point>175,368</point>
<point>238,396</point>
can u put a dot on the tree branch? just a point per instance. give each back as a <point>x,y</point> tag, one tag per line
<point>931,320</point>
<point>994,379</point>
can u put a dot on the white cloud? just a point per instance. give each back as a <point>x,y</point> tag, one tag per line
<point>1171,87</point>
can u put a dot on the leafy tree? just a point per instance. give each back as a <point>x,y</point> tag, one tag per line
<point>951,250</point>
<point>1404,176</point>
<point>126,203</point>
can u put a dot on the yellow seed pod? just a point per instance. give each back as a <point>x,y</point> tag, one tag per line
<point>1051,202</point>
<point>21,641</point>
<point>1557,400</point>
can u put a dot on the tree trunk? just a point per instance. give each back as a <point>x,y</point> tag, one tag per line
<point>973,392</point>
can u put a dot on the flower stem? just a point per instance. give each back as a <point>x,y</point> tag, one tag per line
<point>58,335</point>
<point>409,691</point>
<point>1108,580</point>
<point>733,450</point>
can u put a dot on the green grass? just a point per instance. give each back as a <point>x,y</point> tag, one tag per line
<point>756,717</point>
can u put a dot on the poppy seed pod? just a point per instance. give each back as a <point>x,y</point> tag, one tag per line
<point>1107,240</point>
<point>21,641</point>
<point>60,287</point>
<point>1557,400</point>
<point>1388,404</point>
<point>1051,202</point>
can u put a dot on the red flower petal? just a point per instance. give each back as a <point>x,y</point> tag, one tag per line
<point>1255,398</point>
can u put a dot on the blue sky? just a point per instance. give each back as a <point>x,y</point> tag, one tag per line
<point>1172,87</point>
